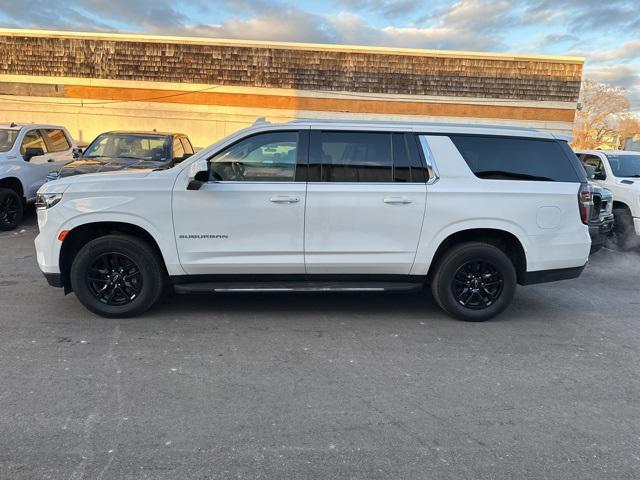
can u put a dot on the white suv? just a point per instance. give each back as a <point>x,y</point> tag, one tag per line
<point>618,172</point>
<point>323,206</point>
<point>27,154</point>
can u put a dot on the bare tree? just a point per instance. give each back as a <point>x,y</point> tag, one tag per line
<point>599,118</point>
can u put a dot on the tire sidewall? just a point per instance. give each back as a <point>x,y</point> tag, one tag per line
<point>456,259</point>
<point>623,228</point>
<point>4,193</point>
<point>139,253</point>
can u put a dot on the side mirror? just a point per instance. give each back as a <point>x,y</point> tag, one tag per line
<point>599,176</point>
<point>200,179</point>
<point>31,152</point>
<point>77,152</point>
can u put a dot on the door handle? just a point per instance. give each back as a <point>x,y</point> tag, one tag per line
<point>396,200</point>
<point>50,160</point>
<point>284,199</point>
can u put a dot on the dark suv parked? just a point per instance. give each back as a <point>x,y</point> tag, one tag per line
<point>128,150</point>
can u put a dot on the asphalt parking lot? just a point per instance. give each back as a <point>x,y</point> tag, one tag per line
<point>358,386</point>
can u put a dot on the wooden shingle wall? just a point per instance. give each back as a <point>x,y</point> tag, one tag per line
<point>317,70</point>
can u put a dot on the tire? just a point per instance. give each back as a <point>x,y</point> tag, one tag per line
<point>623,229</point>
<point>122,264</point>
<point>11,209</point>
<point>493,279</point>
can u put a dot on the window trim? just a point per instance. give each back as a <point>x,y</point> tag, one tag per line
<point>302,158</point>
<point>429,159</point>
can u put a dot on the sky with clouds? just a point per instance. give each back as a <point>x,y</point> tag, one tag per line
<point>607,32</point>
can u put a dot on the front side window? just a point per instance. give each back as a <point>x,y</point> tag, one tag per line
<point>7,139</point>
<point>130,146</point>
<point>510,158</point>
<point>266,157</point>
<point>57,140</point>
<point>595,162</point>
<point>33,139</point>
<point>625,165</point>
<point>186,144</point>
<point>178,149</point>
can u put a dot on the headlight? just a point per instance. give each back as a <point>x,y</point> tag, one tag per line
<point>47,200</point>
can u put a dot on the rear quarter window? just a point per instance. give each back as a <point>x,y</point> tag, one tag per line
<point>505,158</point>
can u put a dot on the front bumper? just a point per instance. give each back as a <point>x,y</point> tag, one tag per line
<point>601,230</point>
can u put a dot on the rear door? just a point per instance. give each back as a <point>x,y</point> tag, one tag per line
<point>249,218</point>
<point>365,202</point>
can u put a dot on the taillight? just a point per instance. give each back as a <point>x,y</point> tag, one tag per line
<point>585,202</point>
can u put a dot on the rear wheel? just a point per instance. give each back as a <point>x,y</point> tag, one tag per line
<point>117,276</point>
<point>11,209</point>
<point>474,281</point>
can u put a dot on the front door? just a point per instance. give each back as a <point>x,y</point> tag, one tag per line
<point>249,218</point>
<point>366,204</point>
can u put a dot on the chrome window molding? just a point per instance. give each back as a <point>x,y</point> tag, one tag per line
<point>432,168</point>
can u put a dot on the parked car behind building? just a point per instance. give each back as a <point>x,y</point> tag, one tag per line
<point>129,150</point>
<point>27,154</point>
<point>619,172</point>
<point>312,205</point>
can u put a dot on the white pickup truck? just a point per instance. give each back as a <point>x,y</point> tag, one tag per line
<point>27,154</point>
<point>619,172</point>
<point>326,206</point>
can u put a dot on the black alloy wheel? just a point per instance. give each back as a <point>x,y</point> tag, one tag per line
<point>477,285</point>
<point>117,275</point>
<point>474,281</point>
<point>11,209</point>
<point>114,279</point>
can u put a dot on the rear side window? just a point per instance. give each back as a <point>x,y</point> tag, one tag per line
<point>365,157</point>
<point>504,158</point>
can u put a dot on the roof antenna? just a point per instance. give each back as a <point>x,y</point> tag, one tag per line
<point>260,121</point>
<point>13,125</point>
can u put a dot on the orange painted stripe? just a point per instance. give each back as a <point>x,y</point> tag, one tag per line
<point>320,104</point>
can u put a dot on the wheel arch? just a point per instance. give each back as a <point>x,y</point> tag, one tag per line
<point>619,204</point>
<point>81,234</point>
<point>13,183</point>
<point>506,241</point>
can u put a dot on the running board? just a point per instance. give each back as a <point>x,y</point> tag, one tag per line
<point>213,287</point>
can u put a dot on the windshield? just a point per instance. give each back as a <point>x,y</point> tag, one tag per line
<point>7,139</point>
<point>127,145</point>
<point>625,165</point>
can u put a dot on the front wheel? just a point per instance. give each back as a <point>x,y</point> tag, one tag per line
<point>474,281</point>
<point>117,276</point>
<point>623,230</point>
<point>11,209</point>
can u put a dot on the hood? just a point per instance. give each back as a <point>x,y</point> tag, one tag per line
<point>107,164</point>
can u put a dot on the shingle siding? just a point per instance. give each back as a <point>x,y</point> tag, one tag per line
<point>295,68</point>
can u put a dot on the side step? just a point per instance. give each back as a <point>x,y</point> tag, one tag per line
<point>213,287</point>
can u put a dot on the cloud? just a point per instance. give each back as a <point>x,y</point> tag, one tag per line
<point>627,51</point>
<point>625,76</point>
<point>387,8</point>
<point>556,38</point>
